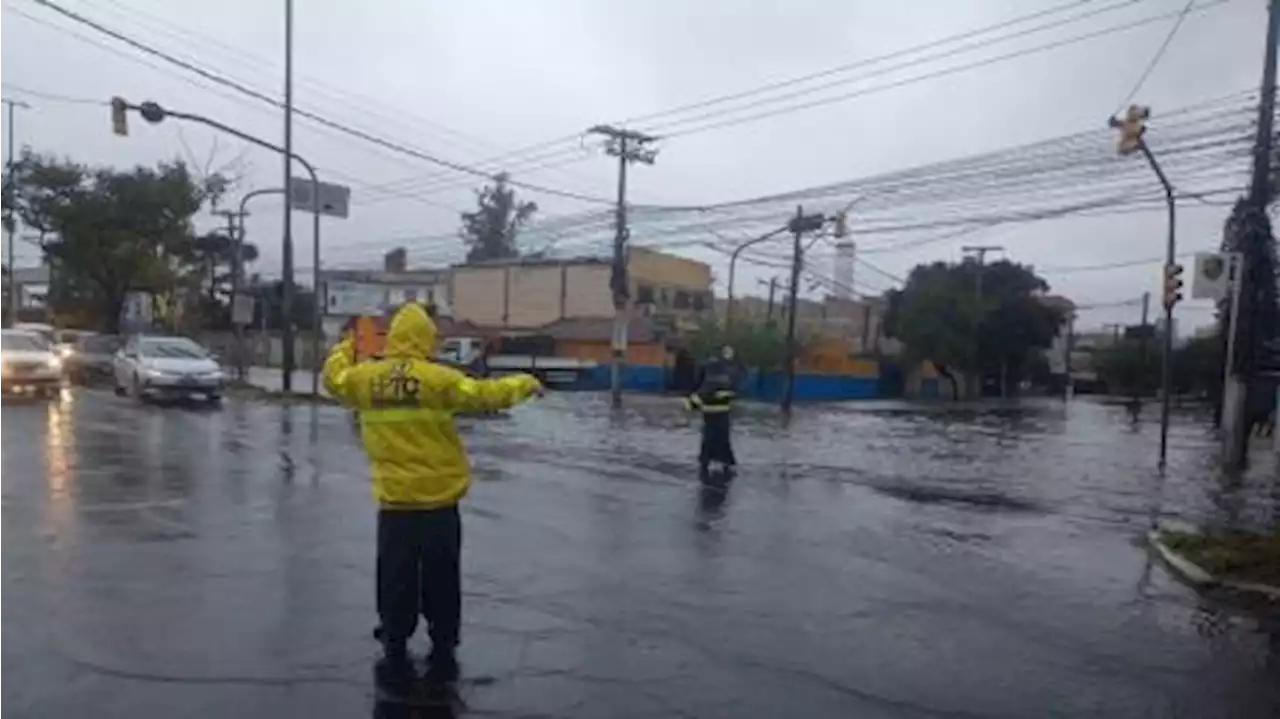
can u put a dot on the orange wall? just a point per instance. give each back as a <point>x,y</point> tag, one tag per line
<point>601,351</point>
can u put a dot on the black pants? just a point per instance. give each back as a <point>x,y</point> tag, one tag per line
<point>419,571</point>
<point>715,440</point>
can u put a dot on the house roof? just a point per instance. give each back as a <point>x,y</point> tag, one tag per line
<point>640,330</point>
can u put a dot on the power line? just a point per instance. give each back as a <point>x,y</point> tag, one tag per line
<point>52,97</point>
<point>559,154</point>
<point>1037,49</point>
<point>1155,59</point>
<point>768,87</point>
<point>314,117</point>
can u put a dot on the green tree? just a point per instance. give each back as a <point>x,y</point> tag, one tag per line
<point>1127,368</point>
<point>939,316</point>
<point>757,344</point>
<point>107,233</point>
<point>490,232</point>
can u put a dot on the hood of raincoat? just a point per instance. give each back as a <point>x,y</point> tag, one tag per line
<point>412,333</point>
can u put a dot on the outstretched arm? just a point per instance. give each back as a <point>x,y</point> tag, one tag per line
<point>337,368</point>
<point>468,394</point>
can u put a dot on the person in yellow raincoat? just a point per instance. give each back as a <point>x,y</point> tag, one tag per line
<point>406,405</point>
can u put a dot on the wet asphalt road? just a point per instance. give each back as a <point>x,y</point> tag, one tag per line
<point>876,560</point>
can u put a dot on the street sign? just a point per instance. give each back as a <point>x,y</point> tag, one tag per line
<point>355,298</point>
<point>1212,277</point>
<point>335,200</point>
<point>242,310</point>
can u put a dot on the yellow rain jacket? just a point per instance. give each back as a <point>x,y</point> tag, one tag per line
<point>406,404</point>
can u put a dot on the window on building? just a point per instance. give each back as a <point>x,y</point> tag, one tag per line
<point>699,301</point>
<point>682,300</point>
<point>644,295</point>
<point>664,297</point>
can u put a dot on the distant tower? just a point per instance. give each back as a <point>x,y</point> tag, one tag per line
<point>843,270</point>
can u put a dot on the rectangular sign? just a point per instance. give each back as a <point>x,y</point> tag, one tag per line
<point>1211,279</point>
<point>335,200</point>
<point>355,298</point>
<point>242,310</point>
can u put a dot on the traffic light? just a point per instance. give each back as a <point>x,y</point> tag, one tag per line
<point>1131,128</point>
<point>1172,285</point>
<point>119,116</point>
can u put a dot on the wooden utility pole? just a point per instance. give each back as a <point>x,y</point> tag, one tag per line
<point>799,225</point>
<point>628,146</point>
<point>235,235</point>
<point>773,290</point>
<point>1250,218</point>
<point>981,252</point>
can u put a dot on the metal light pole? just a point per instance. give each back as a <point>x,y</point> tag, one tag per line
<point>1170,258</point>
<point>733,261</point>
<point>10,225</point>
<point>286,249</point>
<point>1132,130</point>
<point>237,272</point>
<point>152,112</point>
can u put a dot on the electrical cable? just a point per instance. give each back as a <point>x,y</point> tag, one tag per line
<point>243,89</point>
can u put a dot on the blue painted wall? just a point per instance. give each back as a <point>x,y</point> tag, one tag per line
<point>809,387</point>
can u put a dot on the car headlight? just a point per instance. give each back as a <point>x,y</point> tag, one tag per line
<point>155,372</point>
<point>54,363</point>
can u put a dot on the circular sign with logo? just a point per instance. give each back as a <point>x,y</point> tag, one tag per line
<point>1213,268</point>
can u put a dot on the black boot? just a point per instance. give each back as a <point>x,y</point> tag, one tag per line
<point>442,667</point>
<point>395,669</point>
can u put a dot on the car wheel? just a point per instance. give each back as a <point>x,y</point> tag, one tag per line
<point>120,391</point>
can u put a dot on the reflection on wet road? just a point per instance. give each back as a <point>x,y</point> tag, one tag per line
<point>875,560</point>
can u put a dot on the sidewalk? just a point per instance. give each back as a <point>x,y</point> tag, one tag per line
<point>270,379</point>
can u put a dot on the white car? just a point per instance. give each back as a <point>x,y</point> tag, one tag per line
<point>30,363</point>
<point>154,367</point>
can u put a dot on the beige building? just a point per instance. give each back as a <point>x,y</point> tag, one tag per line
<point>530,293</point>
<point>856,322</point>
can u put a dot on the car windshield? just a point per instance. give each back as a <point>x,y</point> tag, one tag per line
<point>21,342</point>
<point>175,348</point>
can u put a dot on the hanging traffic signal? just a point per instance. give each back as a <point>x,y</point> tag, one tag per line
<point>1172,285</point>
<point>119,116</point>
<point>1131,128</point>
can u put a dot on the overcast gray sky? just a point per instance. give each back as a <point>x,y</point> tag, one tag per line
<point>469,80</point>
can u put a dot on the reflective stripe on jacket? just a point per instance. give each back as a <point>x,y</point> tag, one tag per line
<point>406,407</point>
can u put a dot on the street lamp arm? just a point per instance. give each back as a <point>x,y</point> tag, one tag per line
<point>151,109</point>
<point>733,262</point>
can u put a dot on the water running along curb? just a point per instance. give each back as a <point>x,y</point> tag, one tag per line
<point>1198,576</point>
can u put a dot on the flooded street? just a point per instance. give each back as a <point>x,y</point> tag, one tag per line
<point>870,560</point>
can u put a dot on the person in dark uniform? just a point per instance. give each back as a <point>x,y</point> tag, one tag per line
<point>714,400</point>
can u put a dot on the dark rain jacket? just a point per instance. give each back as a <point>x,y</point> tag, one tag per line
<point>716,388</point>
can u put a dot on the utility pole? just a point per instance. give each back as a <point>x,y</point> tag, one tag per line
<point>235,235</point>
<point>799,225</point>
<point>286,250</point>
<point>1144,340</point>
<point>1250,218</point>
<point>10,223</point>
<point>773,290</point>
<point>628,146</point>
<point>981,252</point>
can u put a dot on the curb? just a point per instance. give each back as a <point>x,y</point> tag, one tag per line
<point>1184,567</point>
<point>1196,575</point>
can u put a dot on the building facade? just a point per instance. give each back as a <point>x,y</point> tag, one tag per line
<point>527,294</point>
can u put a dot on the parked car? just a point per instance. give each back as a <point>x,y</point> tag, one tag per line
<point>91,357</point>
<point>28,364</point>
<point>164,367</point>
